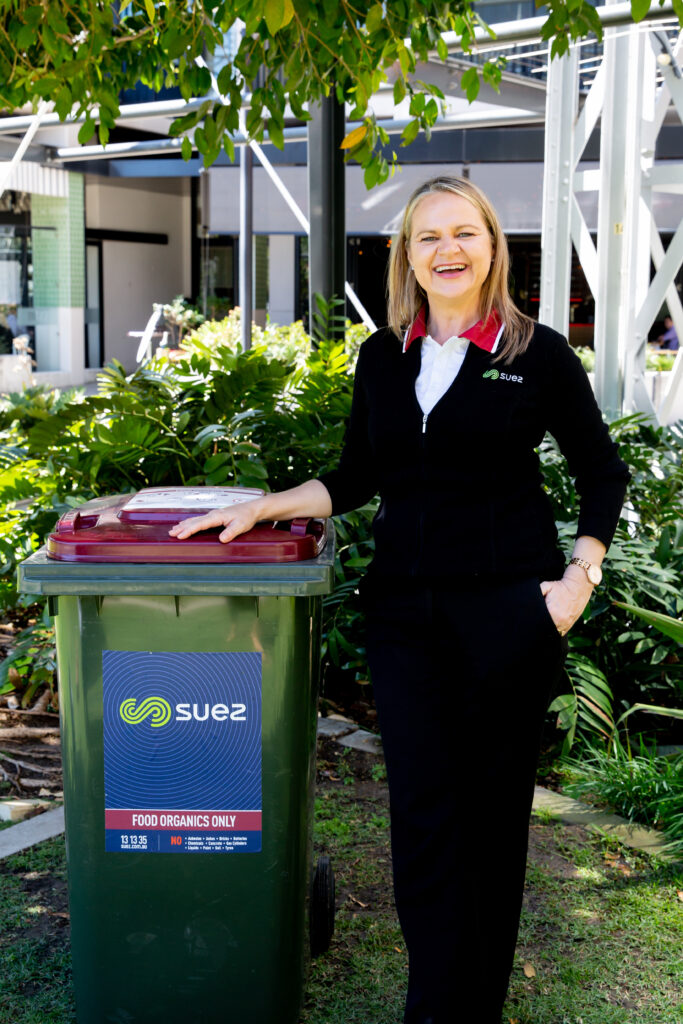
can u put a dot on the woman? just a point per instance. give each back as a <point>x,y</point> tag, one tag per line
<point>468,598</point>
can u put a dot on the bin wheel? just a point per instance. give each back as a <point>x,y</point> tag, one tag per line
<point>322,907</point>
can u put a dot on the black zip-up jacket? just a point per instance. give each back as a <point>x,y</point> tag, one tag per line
<point>461,489</point>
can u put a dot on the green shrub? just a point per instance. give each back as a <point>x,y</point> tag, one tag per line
<point>635,662</point>
<point>645,788</point>
<point>214,416</point>
<point>661,361</point>
<point>275,416</point>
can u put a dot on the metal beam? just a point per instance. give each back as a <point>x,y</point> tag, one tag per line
<point>666,177</point>
<point>326,206</point>
<point>642,83</point>
<point>663,95</point>
<point>158,108</point>
<point>246,255</point>
<point>610,314</point>
<point>585,248</point>
<point>556,246</point>
<point>7,169</point>
<point>673,301</point>
<point>528,30</point>
<point>661,282</point>
<point>590,112</point>
<point>149,147</point>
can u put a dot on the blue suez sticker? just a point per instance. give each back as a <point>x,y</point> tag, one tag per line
<point>182,752</point>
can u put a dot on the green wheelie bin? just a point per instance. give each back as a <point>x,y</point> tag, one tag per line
<point>188,698</point>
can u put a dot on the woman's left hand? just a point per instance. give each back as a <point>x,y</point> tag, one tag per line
<point>566,599</point>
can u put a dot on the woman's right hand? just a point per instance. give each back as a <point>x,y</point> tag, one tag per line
<point>235,519</point>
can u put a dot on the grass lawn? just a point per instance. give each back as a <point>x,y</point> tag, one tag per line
<point>600,940</point>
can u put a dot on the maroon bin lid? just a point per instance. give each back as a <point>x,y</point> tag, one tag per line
<point>134,528</point>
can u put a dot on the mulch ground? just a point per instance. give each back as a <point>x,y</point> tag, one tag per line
<point>30,756</point>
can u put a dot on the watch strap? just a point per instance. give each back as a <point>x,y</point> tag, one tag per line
<point>587,567</point>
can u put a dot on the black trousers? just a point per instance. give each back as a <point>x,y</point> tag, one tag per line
<point>462,679</point>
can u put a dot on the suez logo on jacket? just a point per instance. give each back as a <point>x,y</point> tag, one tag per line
<point>495,374</point>
<point>160,712</point>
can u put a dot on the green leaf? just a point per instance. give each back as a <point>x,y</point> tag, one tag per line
<point>252,469</point>
<point>639,9</point>
<point>375,17</point>
<point>151,12</point>
<point>652,709</point>
<point>200,139</point>
<point>186,149</point>
<point>470,84</point>
<point>214,461</point>
<point>211,155</point>
<point>87,130</point>
<point>278,13</point>
<point>210,131</point>
<point>276,134</point>
<point>224,79</point>
<point>404,60</point>
<point>442,49</point>
<point>664,623</point>
<point>399,90</point>
<point>371,173</point>
<point>25,36</point>
<point>659,654</point>
<point>219,476</point>
<point>409,133</point>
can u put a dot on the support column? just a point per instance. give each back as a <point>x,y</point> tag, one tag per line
<point>326,203</point>
<point>618,142</point>
<point>637,393</point>
<point>246,261</point>
<point>556,243</point>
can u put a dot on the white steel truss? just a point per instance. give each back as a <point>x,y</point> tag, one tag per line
<point>631,107</point>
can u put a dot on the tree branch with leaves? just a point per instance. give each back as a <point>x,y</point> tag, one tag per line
<point>80,55</point>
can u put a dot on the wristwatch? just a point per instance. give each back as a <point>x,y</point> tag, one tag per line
<point>593,572</point>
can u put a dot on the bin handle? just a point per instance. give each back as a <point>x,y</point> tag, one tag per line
<point>305,525</point>
<point>75,520</point>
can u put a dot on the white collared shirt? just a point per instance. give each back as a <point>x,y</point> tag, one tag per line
<point>440,366</point>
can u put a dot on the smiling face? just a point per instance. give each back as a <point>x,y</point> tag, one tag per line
<point>450,249</point>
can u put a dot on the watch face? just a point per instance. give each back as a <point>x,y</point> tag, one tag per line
<point>594,573</point>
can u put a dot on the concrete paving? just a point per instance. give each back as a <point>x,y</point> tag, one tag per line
<point>27,833</point>
<point>359,739</point>
<point>638,837</point>
<point>335,727</point>
<point>17,810</point>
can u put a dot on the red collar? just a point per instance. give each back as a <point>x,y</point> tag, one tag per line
<point>484,335</point>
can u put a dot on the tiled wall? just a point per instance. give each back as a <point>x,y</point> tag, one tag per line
<point>260,297</point>
<point>59,247</point>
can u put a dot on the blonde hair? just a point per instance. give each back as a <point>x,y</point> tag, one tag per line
<point>406,297</point>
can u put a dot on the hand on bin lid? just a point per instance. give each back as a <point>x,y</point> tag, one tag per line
<point>134,528</point>
<point>172,504</point>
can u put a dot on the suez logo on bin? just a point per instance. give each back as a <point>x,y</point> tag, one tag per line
<point>160,712</point>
